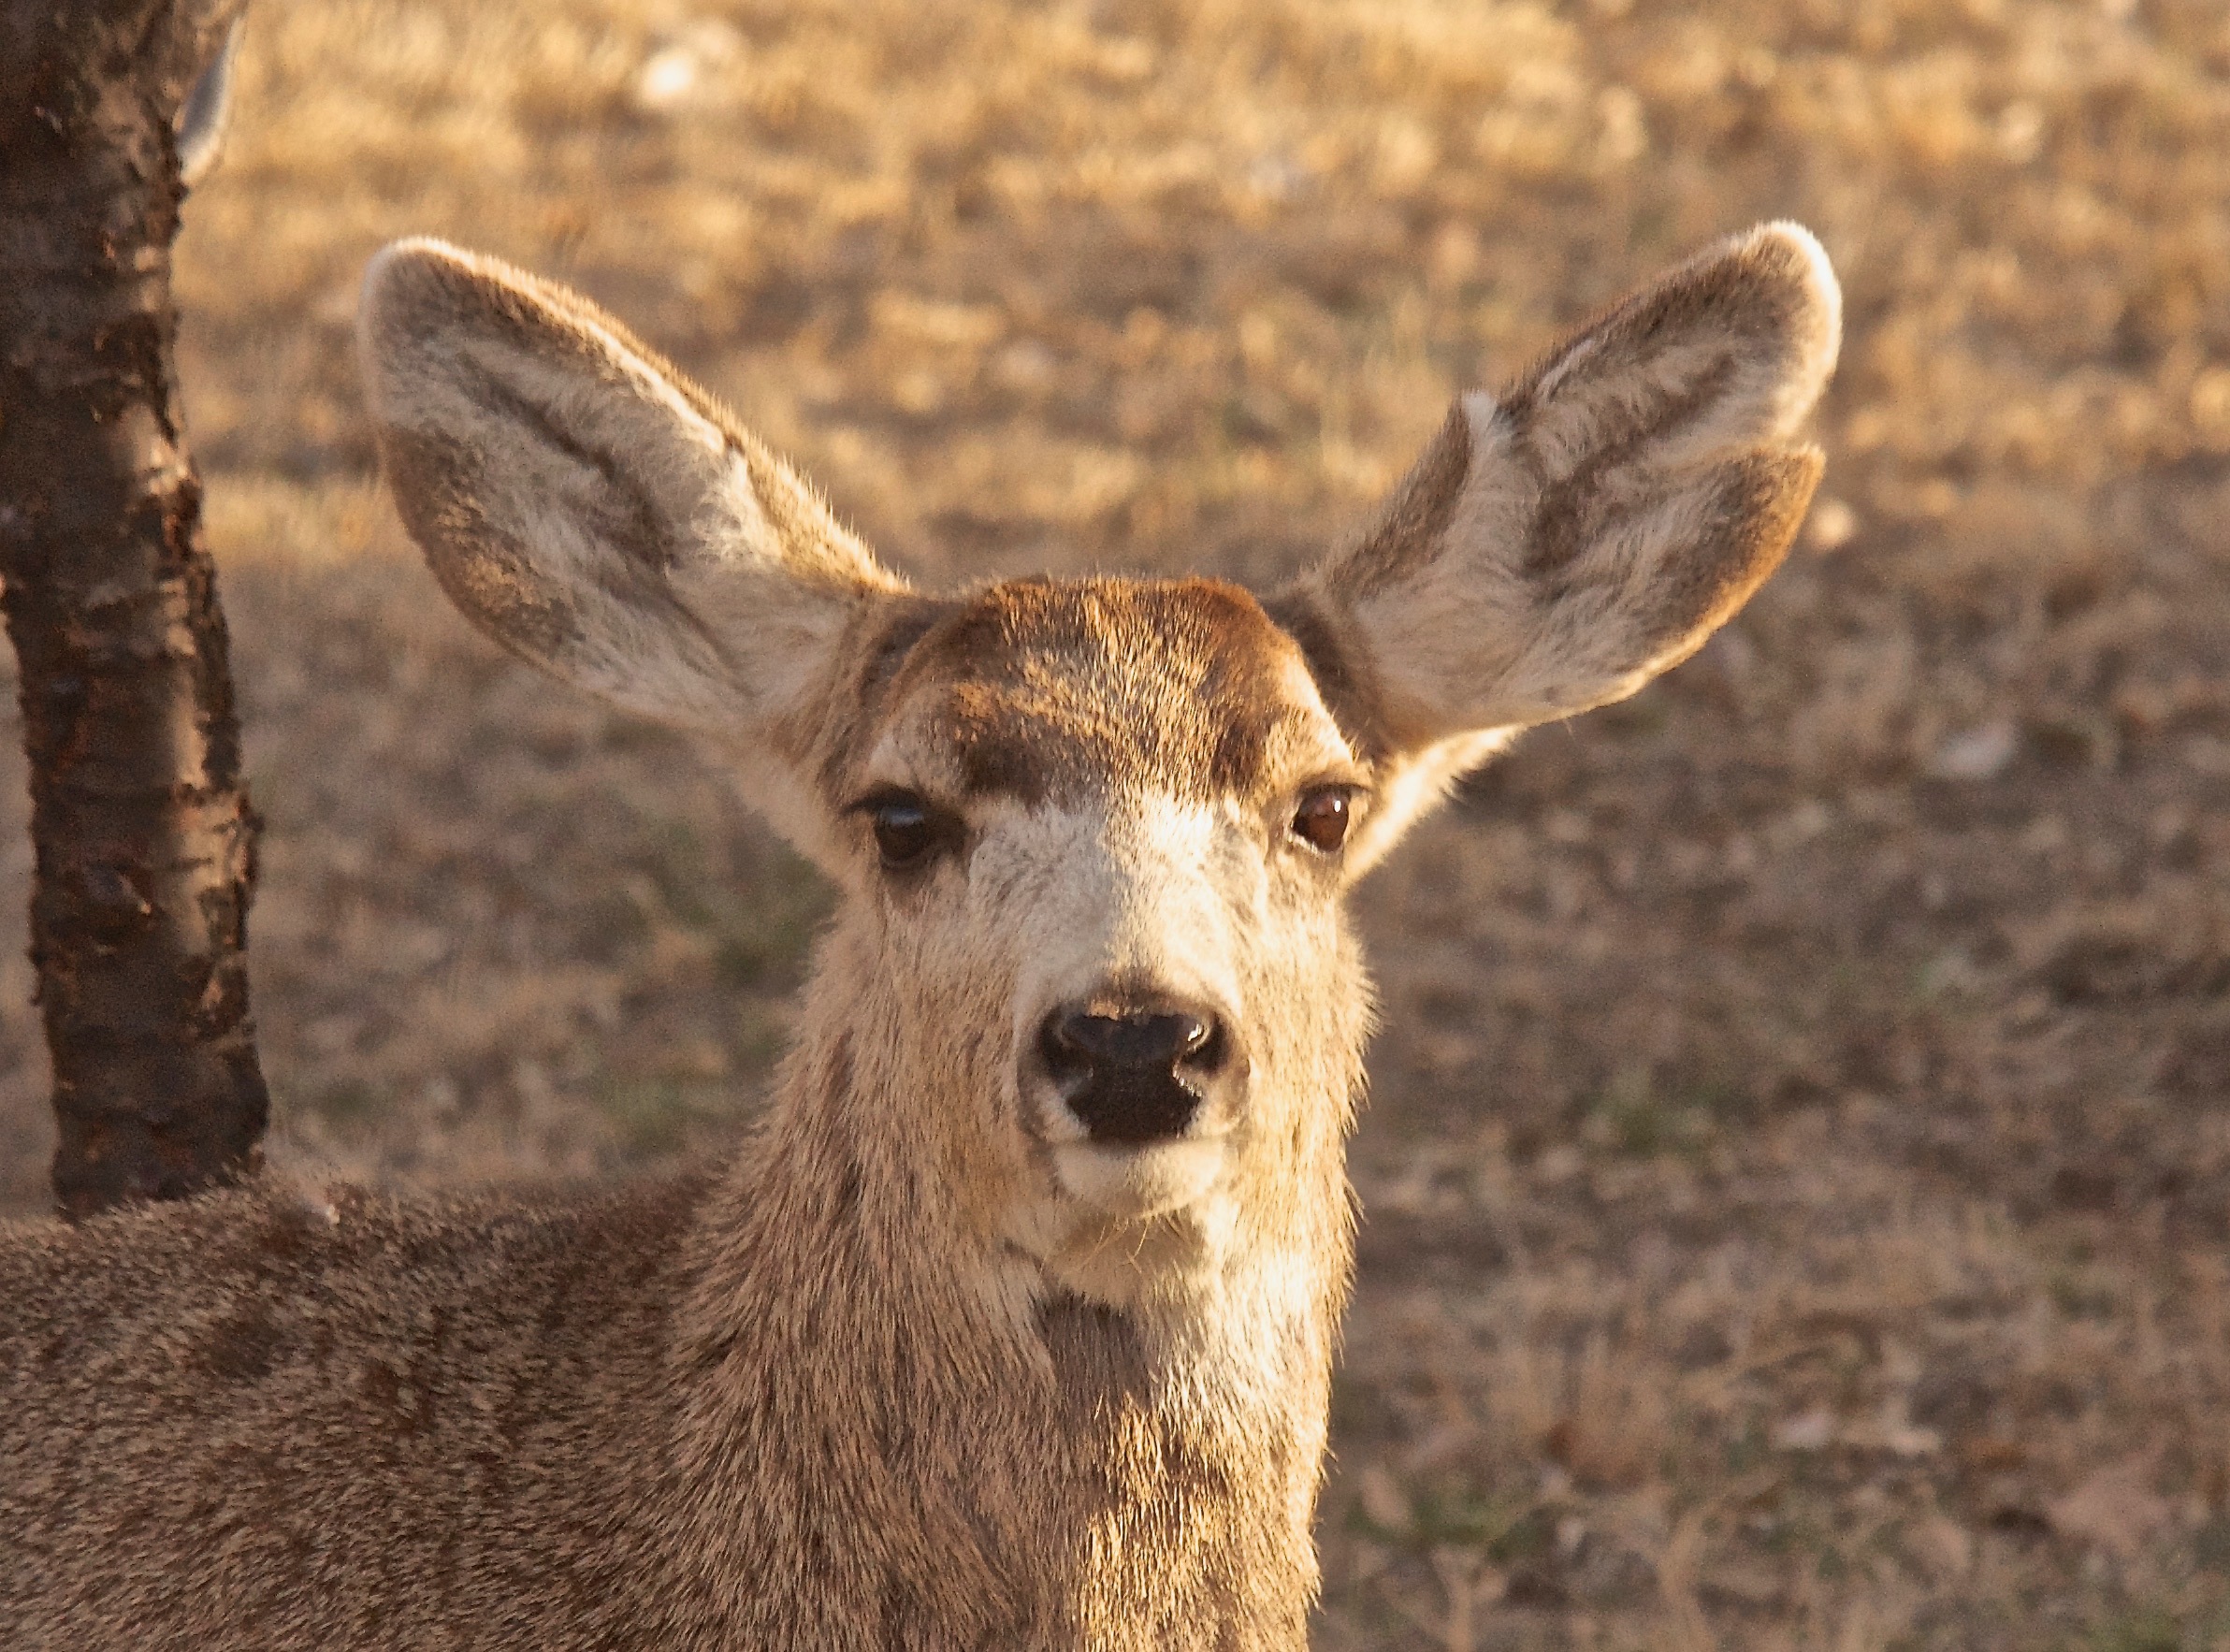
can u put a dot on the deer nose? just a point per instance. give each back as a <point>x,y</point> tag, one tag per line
<point>1136,1038</point>
<point>1135,1075</point>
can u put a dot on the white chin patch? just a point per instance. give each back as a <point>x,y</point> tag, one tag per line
<point>1135,1182</point>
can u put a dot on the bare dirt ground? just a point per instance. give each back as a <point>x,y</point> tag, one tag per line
<point>1798,1182</point>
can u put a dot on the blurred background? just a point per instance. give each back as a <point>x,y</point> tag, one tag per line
<point>1797,1186</point>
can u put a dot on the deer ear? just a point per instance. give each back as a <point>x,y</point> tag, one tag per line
<point>1559,545</point>
<point>593,511</point>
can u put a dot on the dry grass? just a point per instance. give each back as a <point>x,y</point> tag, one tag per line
<point>1799,1182</point>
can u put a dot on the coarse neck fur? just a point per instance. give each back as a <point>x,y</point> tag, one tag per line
<point>891,1406</point>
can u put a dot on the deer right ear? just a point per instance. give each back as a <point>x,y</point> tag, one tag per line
<point>1559,545</point>
<point>591,509</point>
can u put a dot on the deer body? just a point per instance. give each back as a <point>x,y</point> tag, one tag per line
<point>1012,1324</point>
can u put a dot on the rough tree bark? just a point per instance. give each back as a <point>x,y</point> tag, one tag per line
<point>144,837</point>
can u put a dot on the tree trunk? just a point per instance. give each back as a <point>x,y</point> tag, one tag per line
<point>144,837</point>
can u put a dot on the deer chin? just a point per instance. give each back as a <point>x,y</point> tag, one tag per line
<point>1128,1225</point>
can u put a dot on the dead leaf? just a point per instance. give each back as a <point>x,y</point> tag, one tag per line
<point>1983,1454</point>
<point>2116,1509</point>
<point>1811,1430</point>
<point>1945,1547</point>
<point>1382,1500</point>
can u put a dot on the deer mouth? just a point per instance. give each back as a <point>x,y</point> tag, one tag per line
<point>1136,1182</point>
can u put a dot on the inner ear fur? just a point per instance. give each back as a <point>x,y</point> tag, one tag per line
<point>1558,545</point>
<point>592,510</point>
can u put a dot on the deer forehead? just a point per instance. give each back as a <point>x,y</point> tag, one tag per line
<point>1070,691</point>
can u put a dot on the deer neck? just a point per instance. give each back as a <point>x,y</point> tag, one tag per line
<point>1017,1449</point>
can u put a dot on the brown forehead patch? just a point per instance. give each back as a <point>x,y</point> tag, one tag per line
<point>1040,688</point>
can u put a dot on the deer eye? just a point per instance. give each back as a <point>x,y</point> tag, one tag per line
<point>905,829</point>
<point>1321,821</point>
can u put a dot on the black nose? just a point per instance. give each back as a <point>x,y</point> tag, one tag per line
<point>1134,1076</point>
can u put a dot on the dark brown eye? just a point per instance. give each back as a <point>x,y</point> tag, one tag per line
<point>904,831</point>
<point>1321,821</point>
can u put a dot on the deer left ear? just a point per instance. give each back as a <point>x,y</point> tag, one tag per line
<point>1559,545</point>
<point>588,507</point>
<point>597,514</point>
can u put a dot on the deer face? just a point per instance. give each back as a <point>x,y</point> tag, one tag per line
<point>1094,833</point>
<point>1115,815</point>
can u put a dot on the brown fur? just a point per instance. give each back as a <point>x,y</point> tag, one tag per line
<point>927,1366</point>
<point>1415,521</point>
<point>1024,673</point>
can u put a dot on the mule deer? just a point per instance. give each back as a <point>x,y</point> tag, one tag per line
<point>1012,1327</point>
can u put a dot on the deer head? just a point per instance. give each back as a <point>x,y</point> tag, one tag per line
<point>1093,836</point>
